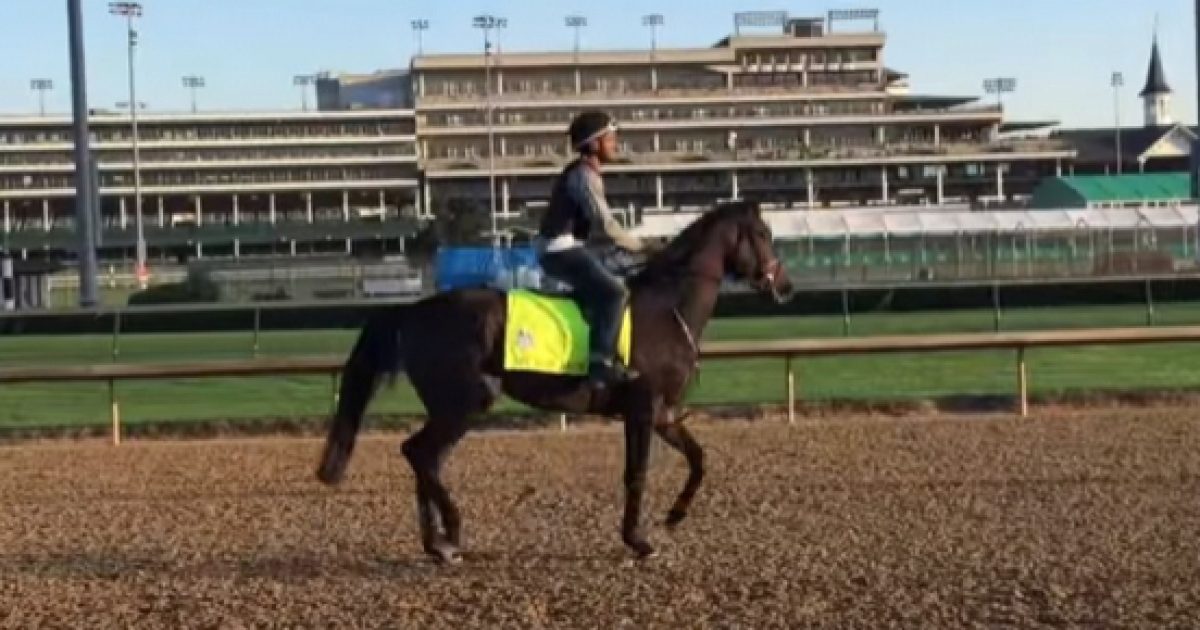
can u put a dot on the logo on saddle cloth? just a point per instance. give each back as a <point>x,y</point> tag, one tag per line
<point>549,335</point>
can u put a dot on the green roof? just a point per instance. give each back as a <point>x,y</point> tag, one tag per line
<point>1093,189</point>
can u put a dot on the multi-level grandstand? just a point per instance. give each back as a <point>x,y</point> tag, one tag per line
<point>797,114</point>
<point>216,184</point>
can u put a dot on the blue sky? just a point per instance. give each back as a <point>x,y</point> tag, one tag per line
<point>1061,51</point>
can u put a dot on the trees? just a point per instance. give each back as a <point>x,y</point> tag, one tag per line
<point>458,221</point>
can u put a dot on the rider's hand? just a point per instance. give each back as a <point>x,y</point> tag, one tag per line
<point>652,246</point>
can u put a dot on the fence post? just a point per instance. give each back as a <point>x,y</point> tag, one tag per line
<point>1022,384</point>
<point>562,422</point>
<point>845,312</point>
<point>335,394</point>
<point>116,341</point>
<point>257,326</point>
<point>791,390</point>
<point>115,411</point>
<point>995,307</point>
<point>1149,304</point>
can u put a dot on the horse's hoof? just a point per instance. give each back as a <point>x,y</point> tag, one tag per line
<point>641,549</point>
<point>330,473</point>
<point>445,553</point>
<point>333,465</point>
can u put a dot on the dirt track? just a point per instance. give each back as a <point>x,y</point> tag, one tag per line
<point>1091,521</point>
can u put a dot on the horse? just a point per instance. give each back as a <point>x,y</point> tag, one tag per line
<point>451,347</point>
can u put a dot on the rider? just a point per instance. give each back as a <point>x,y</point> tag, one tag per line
<point>576,224</point>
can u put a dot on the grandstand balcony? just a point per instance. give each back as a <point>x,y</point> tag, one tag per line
<point>65,238</point>
<point>702,158</point>
<point>565,96</point>
<point>191,157</point>
<point>731,117</point>
<point>23,133</point>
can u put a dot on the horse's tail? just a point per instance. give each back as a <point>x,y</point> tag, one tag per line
<point>377,355</point>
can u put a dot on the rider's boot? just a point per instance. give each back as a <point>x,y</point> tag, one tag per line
<point>604,368</point>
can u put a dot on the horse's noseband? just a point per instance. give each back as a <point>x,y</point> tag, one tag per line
<point>770,273</point>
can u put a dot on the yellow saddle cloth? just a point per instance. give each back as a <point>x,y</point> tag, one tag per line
<point>549,335</point>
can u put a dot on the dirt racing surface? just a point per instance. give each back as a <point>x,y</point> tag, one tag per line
<point>1086,520</point>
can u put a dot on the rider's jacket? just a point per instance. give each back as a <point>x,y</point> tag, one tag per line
<point>579,215</point>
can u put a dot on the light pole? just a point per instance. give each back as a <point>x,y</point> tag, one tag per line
<point>488,23</point>
<point>302,81</point>
<point>1118,81</point>
<point>1000,86</point>
<point>501,24</point>
<point>129,11</point>
<point>1196,143</point>
<point>41,86</point>
<point>193,83</point>
<point>419,27</point>
<point>653,21</point>
<point>85,195</point>
<point>577,22</point>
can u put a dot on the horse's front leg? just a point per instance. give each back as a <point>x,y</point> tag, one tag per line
<point>639,427</point>
<point>678,437</point>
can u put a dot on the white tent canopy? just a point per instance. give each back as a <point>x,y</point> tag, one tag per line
<point>863,223</point>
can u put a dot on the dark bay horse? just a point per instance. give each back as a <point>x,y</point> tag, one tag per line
<point>451,347</point>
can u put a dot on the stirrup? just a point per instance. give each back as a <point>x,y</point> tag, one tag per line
<point>602,373</point>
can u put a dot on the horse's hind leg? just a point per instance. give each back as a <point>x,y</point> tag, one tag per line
<point>426,450</point>
<point>677,435</point>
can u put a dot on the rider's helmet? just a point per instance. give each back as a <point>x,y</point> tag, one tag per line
<point>588,127</point>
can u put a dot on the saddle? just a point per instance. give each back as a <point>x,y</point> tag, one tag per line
<point>546,332</point>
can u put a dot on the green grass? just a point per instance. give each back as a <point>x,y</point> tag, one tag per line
<point>749,381</point>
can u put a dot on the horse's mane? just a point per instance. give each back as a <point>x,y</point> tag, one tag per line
<point>668,263</point>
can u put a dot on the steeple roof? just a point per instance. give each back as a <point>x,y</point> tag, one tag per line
<point>1156,79</point>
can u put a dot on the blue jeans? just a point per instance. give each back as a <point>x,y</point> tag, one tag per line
<point>600,293</point>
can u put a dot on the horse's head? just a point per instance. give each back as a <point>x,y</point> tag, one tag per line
<point>750,254</point>
<point>732,240</point>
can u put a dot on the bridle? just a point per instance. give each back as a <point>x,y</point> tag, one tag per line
<point>769,275</point>
<point>770,270</point>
